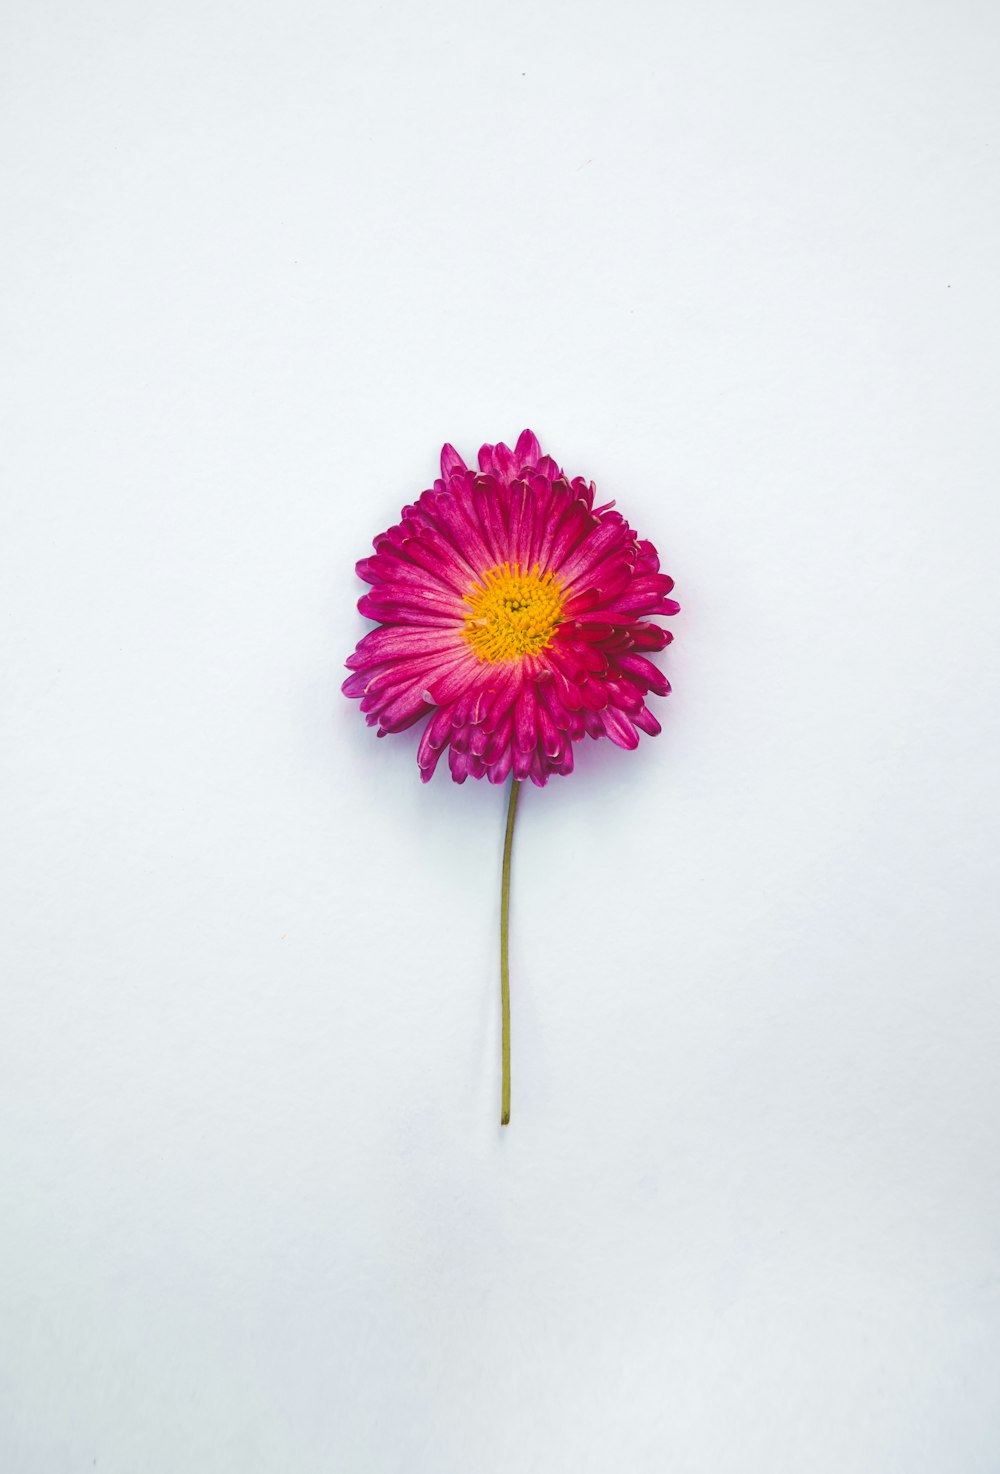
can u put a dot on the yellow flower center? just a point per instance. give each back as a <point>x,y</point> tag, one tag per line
<point>513,613</point>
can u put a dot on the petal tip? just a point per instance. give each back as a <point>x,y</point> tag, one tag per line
<point>527,450</point>
<point>451,461</point>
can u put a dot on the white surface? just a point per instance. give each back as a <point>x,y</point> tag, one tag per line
<point>738,263</point>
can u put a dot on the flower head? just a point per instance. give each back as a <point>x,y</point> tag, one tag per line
<point>515,615</point>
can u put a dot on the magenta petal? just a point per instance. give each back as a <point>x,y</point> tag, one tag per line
<point>548,698</point>
<point>454,682</point>
<point>527,451</point>
<point>457,519</point>
<point>593,724</point>
<point>551,737</point>
<point>650,637</point>
<point>451,462</point>
<point>439,727</point>
<point>503,460</point>
<point>501,696</point>
<point>619,728</point>
<point>404,712</point>
<point>588,553</point>
<point>649,674</point>
<point>428,759</point>
<point>392,612</point>
<point>458,762</point>
<point>354,686</point>
<point>593,694</point>
<point>646,721</point>
<point>499,771</point>
<point>525,720</point>
<point>499,740</point>
<point>395,642</point>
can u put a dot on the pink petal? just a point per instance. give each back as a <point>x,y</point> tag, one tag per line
<point>499,771</point>
<point>650,676</point>
<point>525,720</point>
<point>527,451</point>
<point>650,637</point>
<point>451,461</point>
<point>458,762</point>
<point>576,565</point>
<point>455,682</point>
<point>397,642</point>
<point>647,722</point>
<point>503,460</point>
<point>619,728</point>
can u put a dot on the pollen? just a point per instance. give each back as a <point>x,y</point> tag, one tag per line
<point>512,613</point>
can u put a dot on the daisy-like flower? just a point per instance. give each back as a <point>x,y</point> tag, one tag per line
<point>517,617</point>
<point>515,614</point>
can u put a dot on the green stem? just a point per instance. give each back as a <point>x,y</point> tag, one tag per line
<point>515,788</point>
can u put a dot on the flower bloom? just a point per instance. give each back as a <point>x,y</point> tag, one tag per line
<point>515,614</point>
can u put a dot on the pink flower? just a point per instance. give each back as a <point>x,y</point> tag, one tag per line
<point>515,614</point>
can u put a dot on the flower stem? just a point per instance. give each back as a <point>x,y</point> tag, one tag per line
<point>515,788</point>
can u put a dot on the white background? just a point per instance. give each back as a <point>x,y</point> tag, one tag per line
<point>737,262</point>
